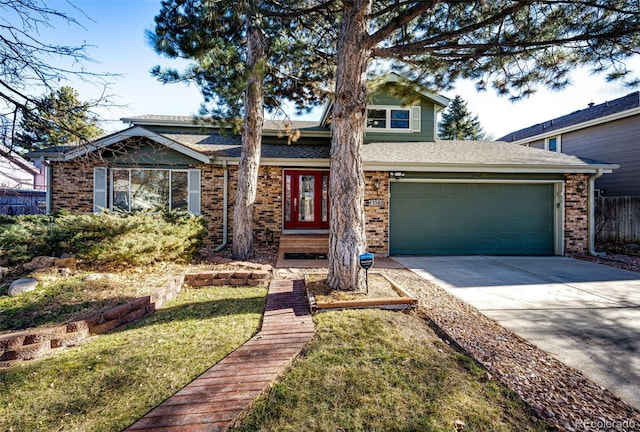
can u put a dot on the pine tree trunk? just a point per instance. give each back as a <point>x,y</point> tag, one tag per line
<point>346,185</point>
<point>251,142</point>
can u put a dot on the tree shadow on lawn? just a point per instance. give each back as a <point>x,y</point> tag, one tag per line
<point>122,374</point>
<point>200,311</point>
<point>45,309</point>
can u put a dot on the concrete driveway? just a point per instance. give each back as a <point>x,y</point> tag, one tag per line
<point>587,315</point>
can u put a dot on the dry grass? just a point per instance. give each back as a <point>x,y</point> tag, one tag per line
<point>372,370</point>
<point>63,296</point>
<point>114,379</point>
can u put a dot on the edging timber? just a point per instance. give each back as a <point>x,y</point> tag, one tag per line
<point>405,300</point>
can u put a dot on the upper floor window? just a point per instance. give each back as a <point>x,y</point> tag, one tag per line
<point>553,144</point>
<point>393,119</point>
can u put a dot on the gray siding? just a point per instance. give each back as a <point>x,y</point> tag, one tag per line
<point>427,120</point>
<point>615,142</point>
<point>149,155</point>
<point>537,144</point>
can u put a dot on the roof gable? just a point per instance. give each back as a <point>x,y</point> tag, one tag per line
<point>136,131</point>
<point>390,79</point>
<point>18,160</point>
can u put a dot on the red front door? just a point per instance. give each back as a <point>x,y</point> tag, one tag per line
<point>306,199</point>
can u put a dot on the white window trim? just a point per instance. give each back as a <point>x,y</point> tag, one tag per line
<point>100,181</point>
<point>558,143</point>
<point>193,186</point>
<point>410,109</point>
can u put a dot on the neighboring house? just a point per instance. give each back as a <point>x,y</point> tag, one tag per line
<point>22,184</point>
<point>607,132</point>
<point>18,173</point>
<point>422,195</point>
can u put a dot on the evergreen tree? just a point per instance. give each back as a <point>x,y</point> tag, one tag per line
<point>246,58</point>
<point>55,119</point>
<point>458,123</point>
<point>510,46</point>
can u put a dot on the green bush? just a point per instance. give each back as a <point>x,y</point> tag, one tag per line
<point>23,237</point>
<point>106,239</point>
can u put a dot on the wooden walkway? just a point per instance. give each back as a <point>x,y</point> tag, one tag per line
<point>213,401</point>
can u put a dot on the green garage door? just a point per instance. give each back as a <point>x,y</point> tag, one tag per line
<point>467,219</point>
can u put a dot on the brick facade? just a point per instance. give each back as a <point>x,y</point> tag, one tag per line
<point>377,213</point>
<point>267,210</point>
<point>576,214</point>
<point>72,187</point>
<point>72,190</point>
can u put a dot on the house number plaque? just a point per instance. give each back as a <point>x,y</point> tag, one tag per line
<point>374,203</point>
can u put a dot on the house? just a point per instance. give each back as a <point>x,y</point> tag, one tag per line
<point>22,184</point>
<point>422,195</point>
<point>18,173</point>
<point>608,132</point>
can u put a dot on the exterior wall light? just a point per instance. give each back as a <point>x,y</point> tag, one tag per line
<point>397,174</point>
<point>376,184</point>
<point>580,187</point>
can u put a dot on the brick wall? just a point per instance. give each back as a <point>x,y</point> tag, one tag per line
<point>576,214</point>
<point>377,214</point>
<point>267,209</point>
<point>72,187</point>
<point>211,202</point>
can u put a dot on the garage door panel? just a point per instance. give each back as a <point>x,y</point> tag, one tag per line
<point>459,218</point>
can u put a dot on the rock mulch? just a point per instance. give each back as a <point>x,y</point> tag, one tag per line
<point>562,396</point>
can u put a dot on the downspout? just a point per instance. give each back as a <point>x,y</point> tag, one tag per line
<point>592,214</point>
<point>224,206</point>
<point>48,190</point>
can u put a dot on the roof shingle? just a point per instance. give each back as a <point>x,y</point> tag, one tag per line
<point>594,112</point>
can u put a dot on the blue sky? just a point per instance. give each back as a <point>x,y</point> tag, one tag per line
<point>115,29</point>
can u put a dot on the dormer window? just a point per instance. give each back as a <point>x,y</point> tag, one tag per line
<point>393,119</point>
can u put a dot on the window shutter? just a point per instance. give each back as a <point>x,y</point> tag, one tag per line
<point>415,118</point>
<point>99,189</point>
<point>194,191</point>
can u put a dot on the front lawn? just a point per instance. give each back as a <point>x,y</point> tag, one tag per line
<point>61,298</point>
<point>114,379</point>
<point>371,370</point>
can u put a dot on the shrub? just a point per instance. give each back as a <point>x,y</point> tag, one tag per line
<point>23,237</point>
<point>107,239</point>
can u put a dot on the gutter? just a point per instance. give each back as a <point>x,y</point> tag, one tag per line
<point>592,214</point>
<point>225,193</point>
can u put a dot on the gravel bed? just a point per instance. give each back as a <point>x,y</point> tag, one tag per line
<point>561,395</point>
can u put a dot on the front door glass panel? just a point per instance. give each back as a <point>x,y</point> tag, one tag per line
<point>306,211</point>
<point>306,199</point>
<point>325,199</point>
<point>288,198</point>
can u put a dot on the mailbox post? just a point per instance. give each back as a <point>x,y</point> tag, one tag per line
<point>366,261</point>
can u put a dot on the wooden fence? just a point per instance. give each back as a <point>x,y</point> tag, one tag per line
<point>19,202</point>
<point>618,219</point>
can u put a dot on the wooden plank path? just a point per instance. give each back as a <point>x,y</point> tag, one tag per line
<point>214,400</point>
